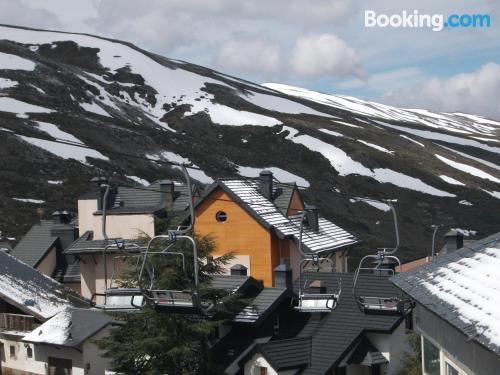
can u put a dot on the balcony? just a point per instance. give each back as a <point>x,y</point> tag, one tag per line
<point>16,322</point>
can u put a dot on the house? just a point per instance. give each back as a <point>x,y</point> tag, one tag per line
<point>44,327</point>
<point>131,213</point>
<point>66,342</point>
<point>42,248</point>
<point>259,222</point>
<point>346,340</point>
<point>457,312</point>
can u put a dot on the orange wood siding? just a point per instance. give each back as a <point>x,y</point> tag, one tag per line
<point>296,204</point>
<point>240,234</point>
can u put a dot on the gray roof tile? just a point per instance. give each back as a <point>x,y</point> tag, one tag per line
<point>35,244</point>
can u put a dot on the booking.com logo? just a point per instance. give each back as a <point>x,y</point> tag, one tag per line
<point>416,20</point>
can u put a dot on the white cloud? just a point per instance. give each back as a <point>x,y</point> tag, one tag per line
<point>325,54</point>
<point>15,12</point>
<point>250,55</point>
<point>476,92</point>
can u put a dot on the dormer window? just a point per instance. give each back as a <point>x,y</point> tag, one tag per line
<point>221,216</point>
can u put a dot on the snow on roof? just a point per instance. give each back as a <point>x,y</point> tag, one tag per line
<point>462,287</point>
<point>30,290</point>
<point>70,327</point>
<point>328,237</point>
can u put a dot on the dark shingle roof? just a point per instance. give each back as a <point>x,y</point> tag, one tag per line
<point>234,283</point>
<point>366,354</point>
<point>31,291</point>
<point>461,288</point>
<point>262,305</point>
<point>335,334</point>
<point>129,200</point>
<point>35,244</point>
<point>282,195</point>
<point>86,245</point>
<point>69,328</point>
<point>287,354</point>
<point>67,270</point>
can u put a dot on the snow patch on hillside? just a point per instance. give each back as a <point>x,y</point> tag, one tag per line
<point>468,169</point>
<point>6,83</point>
<point>280,174</point>
<point>21,109</point>
<point>13,62</point>
<point>176,158</point>
<point>345,165</point>
<point>376,147</point>
<point>451,180</point>
<point>29,200</point>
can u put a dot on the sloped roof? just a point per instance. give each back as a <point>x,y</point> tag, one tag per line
<point>144,199</point>
<point>282,195</point>
<point>29,290</point>
<point>85,244</point>
<point>366,354</point>
<point>35,244</point>
<point>67,270</point>
<point>463,288</point>
<point>234,283</point>
<point>262,305</point>
<point>334,334</point>
<point>287,354</point>
<point>69,328</point>
<point>245,192</point>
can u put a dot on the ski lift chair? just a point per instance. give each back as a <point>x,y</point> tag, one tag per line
<point>167,300</point>
<point>309,302</point>
<point>315,302</point>
<point>382,267</point>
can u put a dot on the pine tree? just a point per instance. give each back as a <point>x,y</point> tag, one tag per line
<point>151,343</point>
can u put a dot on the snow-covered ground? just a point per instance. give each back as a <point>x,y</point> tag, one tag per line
<point>451,180</point>
<point>280,174</point>
<point>468,169</point>
<point>21,109</point>
<point>140,181</point>
<point>176,158</point>
<point>6,83</point>
<point>345,165</point>
<point>29,200</point>
<point>13,62</point>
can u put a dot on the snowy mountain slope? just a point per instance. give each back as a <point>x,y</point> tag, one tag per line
<point>115,97</point>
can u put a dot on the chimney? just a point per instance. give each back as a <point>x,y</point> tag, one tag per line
<point>97,183</point>
<point>283,277</point>
<point>454,241</point>
<point>167,194</point>
<point>312,217</point>
<point>238,270</point>
<point>62,228</point>
<point>266,184</point>
<point>61,217</point>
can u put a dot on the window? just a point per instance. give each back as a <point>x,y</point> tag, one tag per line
<point>409,322</point>
<point>341,371</point>
<point>60,366</point>
<point>29,352</point>
<point>263,370</point>
<point>431,358</point>
<point>221,216</point>
<point>450,370</point>
<point>12,351</point>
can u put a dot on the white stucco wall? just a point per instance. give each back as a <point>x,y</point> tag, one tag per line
<point>253,365</point>
<point>392,346</point>
<point>92,272</point>
<point>38,364</point>
<point>117,226</point>
<point>48,264</point>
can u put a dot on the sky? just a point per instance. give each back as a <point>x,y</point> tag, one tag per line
<point>321,45</point>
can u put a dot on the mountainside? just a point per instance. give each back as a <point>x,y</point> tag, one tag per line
<point>114,97</point>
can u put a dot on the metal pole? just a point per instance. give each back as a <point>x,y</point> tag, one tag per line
<point>436,227</point>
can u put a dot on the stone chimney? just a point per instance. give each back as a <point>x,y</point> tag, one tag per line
<point>167,194</point>
<point>238,270</point>
<point>266,184</point>
<point>62,228</point>
<point>283,277</point>
<point>454,241</point>
<point>97,183</point>
<point>312,217</point>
